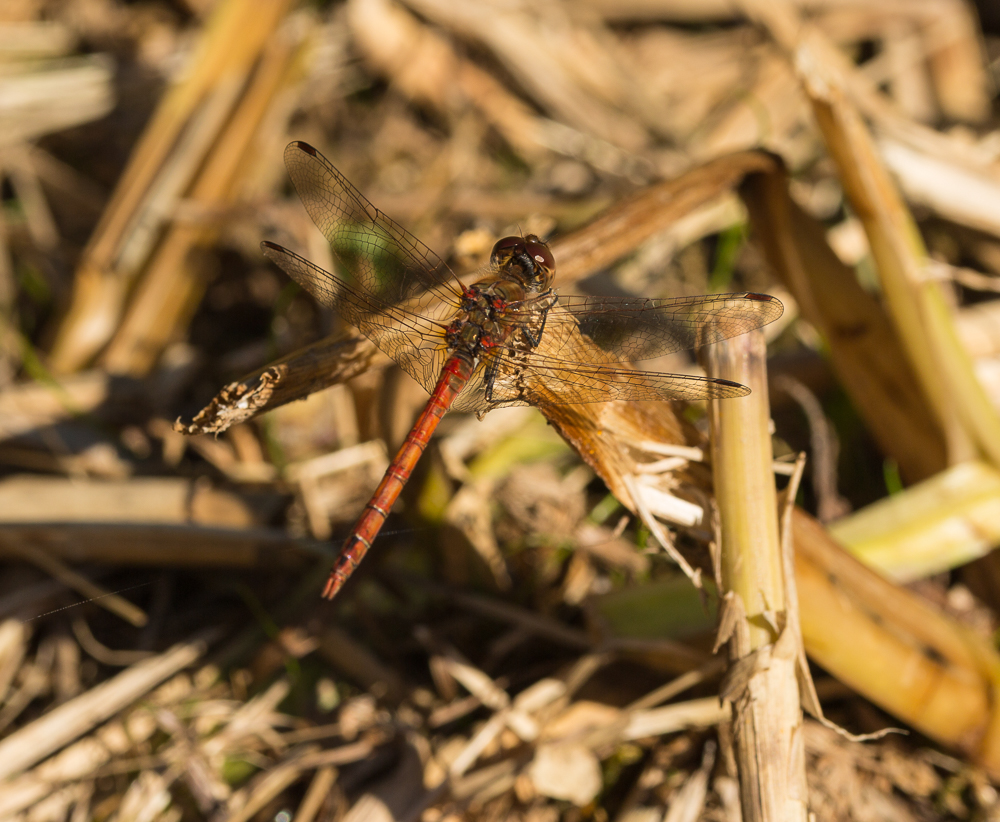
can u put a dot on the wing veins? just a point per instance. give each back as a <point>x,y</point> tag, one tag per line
<point>342,212</point>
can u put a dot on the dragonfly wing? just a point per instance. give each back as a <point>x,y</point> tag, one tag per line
<point>414,341</point>
<point>542,380</point>
<point>473,398</point>
<point>382,256</point>
<point>632,328</point>
<point>494,384</point>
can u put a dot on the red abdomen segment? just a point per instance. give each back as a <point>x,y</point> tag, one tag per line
<point>455,374</point>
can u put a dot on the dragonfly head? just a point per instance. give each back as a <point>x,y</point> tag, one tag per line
<point>525,259</point>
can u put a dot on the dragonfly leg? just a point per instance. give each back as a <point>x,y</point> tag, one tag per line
<point>534,338</point>
<point>491,375</point>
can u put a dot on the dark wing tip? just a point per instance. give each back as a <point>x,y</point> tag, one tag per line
<point>267,245</point>
<point>774,309</point>
<point>740,389</point>
<point>304,147</point>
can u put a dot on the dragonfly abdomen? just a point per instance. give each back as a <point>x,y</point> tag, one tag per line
<point>454,376</point>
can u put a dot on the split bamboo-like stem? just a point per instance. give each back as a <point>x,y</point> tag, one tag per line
<point>767,719</point>
<point>939,524</point>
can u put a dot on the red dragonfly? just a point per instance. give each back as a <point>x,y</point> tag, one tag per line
<point>496,342</point>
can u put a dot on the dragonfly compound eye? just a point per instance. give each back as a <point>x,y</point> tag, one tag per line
<point>530,256</point>
<point>505,249</point>
<point>538,250</point>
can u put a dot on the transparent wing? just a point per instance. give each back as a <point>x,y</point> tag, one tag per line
<point>473,398</point>
<point>587,342</point>
<point>399,293</point>
<point>414,341</point>
<point>542,380</point>
<point>383,258</point>
<point>632,328</point>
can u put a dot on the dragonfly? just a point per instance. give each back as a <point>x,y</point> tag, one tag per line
<point>499,341</point>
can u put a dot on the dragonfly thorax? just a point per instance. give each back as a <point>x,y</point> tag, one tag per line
<point>522,269</point>
<point>485,318</point>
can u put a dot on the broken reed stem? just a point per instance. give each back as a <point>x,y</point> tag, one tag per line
<point>744,487</point>
<point>761,682</point>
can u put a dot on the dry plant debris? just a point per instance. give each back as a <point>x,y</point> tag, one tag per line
<point>524,642</point>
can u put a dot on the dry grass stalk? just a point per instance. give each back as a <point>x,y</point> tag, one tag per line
<point>963,192</point>
<point>13,646</point>
<point>83,586</point>
<point>179,141</point>
<point>171,286</point>
<point>150,500</point>
<point>319,788</point>
<point>32,743</point>
<point>43,96</point>
<point>918,307</point>
<point>27,406</point>
<point>866,353</point>
<point>159,545</point>
<point>19,40</point>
